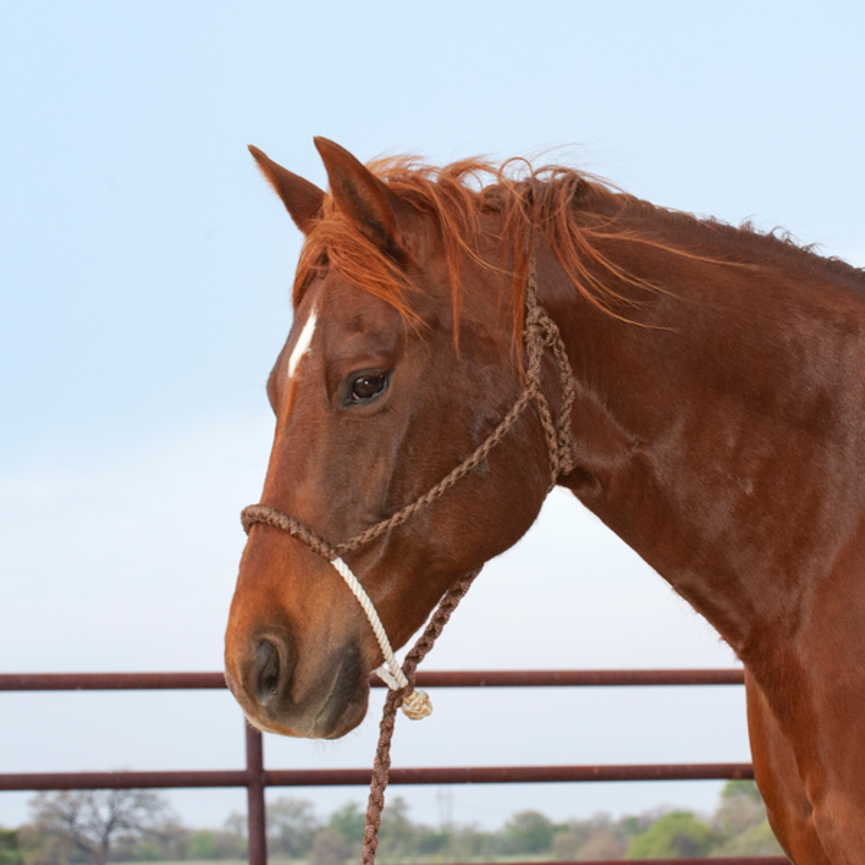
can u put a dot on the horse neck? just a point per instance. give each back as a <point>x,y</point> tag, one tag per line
<point>712,435</point>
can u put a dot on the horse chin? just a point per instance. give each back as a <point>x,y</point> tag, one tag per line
<point>333,706</point>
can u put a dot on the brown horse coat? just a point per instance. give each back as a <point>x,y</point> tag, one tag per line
<point>718,428</point>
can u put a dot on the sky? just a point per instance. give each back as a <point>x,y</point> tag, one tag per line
<point>145,270</point>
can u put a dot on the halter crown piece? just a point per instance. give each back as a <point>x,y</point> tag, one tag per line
<point>539,333</point>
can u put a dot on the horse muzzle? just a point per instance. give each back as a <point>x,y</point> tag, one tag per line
<point>319,698</point>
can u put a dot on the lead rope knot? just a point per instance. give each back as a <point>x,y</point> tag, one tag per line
<point>416,704</point>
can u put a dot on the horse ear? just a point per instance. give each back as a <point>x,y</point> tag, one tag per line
<point>364,198</point>
<point>301,198</point>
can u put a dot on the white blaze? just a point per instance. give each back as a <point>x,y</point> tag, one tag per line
<point>301,347</point>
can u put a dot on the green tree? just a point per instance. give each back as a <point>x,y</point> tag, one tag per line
<point>9,852</point>
<point>741,808</point>
<point>144,851</point>
<point>741,789</point>
<point>396,835</point>
<point>741,821</point>
<point>754,841</point>
<point>201,845</point>
<point>677,834</point>
<point>529,832</point>
<point>167,841</point>
<point>350,822</point>
<point>467,842</point>
<point>291,827</point>
<point>428,841</point>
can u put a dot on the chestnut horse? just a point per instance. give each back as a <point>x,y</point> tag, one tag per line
<point>717,425</point>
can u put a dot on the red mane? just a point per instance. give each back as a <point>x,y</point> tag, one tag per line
<point>558,206</point>
<point>546,203</point>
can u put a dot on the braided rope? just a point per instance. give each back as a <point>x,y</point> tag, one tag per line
<point>381,765</point>
<point>253,514</point>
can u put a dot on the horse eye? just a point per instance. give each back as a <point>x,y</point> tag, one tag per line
<point>367,387</point>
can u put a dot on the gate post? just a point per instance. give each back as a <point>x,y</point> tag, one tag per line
<point>256,823</point>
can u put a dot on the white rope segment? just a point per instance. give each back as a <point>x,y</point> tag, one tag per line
<point>416,703</point>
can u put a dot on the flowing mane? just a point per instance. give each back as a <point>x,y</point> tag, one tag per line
<point>571,210</point>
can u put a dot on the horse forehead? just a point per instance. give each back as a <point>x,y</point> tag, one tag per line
<point>346,309</point>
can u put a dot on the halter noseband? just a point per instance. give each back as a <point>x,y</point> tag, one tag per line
<point>539,333</point>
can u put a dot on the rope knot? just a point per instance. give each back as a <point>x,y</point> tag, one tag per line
<point>537,326</point>
<point>416,704</point>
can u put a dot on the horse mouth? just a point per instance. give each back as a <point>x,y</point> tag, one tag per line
<point>345,705</point>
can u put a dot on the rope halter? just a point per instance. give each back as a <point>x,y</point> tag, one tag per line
<point>539,333</point>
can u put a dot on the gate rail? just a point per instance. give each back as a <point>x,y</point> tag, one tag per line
<point>255,778</point>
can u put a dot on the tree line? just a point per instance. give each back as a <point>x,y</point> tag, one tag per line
<point>102,826</point>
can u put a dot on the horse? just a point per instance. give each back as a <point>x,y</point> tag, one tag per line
<point>697,386</point>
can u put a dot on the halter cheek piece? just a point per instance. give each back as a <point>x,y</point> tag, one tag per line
<point>539,333</point>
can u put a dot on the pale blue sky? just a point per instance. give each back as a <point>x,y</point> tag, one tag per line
<point>145,270</point>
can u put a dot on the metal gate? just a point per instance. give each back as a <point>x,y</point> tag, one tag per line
<point>255,777</point>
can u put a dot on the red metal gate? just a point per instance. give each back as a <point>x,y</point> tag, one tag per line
<point>255,777</point>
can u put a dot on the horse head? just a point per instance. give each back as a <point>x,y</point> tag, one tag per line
<point>400,361</point>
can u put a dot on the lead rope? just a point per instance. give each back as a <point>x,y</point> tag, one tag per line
<point>381,766</point>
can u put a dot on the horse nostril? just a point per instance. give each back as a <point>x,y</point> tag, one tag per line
<point>267,668</point>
